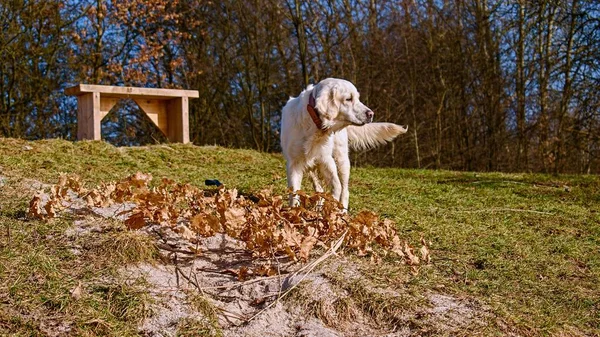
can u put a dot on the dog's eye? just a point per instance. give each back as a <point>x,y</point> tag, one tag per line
<point>349,99</point>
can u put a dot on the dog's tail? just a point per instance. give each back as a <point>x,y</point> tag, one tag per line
<point>370,135</point>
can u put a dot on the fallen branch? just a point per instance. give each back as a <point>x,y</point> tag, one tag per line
<point>309,267</point>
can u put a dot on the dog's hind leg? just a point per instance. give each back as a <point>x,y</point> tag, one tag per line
<point>329,172</point>
<point>317,186</point>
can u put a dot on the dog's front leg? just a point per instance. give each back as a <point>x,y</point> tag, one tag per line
<point>344,172</point>
<point>294,178</point>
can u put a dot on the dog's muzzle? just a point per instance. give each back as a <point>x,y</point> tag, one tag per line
<point>370,114</point>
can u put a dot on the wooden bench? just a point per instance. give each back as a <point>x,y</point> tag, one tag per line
<point>167,108</point>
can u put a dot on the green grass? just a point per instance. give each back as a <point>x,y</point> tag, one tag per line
<point>525,245</point>
<point>206,325</point>
<point>38,274</point>
<point>39,269</point>
<point>99,161</point>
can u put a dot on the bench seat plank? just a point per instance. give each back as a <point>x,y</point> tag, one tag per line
<point>130,92</point>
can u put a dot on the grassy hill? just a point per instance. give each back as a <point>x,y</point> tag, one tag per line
<point>525,246</point>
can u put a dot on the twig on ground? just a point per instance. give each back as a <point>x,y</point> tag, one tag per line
<point>309,268</point>
<point>195,284</point>
<point>8,234</point>
<point>241,284</point>
<point>499,181</point>
<point>502,210</point>
<point>176,270</point>
<point>278,274</point>
<point>166,247</point>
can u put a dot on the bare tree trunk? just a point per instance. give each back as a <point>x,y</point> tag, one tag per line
<point>415,128</point>
<point>298,22</point>
<point>545,41</point>
<point>438,132</point>
<point>96,77</point>
<point>566,93</point>
<point>522,143</point>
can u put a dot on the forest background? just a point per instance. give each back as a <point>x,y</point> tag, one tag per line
<point>483,85</point>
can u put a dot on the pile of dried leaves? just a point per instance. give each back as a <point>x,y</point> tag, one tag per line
<point>261,221</point>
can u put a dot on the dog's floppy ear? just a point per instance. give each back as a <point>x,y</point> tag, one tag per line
<point>326,102</point>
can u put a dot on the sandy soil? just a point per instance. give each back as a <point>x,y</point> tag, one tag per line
<point>254,307</point>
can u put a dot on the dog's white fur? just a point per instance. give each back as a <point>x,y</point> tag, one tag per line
<point>345,123</point>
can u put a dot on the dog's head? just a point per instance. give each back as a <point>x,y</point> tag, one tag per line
<point>339,105</point>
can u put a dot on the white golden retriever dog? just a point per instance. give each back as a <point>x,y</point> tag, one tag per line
<point>317,128</point>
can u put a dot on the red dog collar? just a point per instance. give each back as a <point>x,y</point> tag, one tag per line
<point>314,113</point>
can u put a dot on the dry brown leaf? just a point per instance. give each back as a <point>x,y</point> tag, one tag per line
<point>140,179</point>
<point>235,217</point>
<point>411,259</point>
<point>162,215</point>
<point>425,255</point>
<point>397,246</point>
<point>74,183</point>
<point>35,207</point>
<point>375,259</point>
<point>265,270</point>
<point>243,273</point>
<point>136,221</point>
<point>50,208</point>
<point>77,292</point>
<point>185,232</point>
<point>307,245</point>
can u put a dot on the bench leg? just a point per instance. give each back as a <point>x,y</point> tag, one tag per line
<point>88,116</point>
<point>156,111</point>
<point>178,120</point>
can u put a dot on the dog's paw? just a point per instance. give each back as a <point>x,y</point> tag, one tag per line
<point>294,200</point>
<point>319,205</point>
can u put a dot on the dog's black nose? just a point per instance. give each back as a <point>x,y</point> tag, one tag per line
<point>370,115</point>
